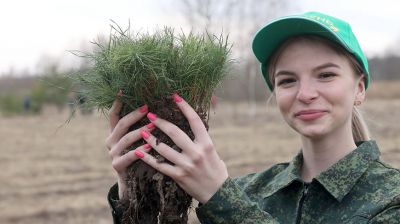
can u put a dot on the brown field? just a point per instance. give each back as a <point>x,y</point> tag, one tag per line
<point>52,175</point>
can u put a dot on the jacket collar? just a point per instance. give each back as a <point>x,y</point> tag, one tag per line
<point>338,180</point>
<point>290,174</point>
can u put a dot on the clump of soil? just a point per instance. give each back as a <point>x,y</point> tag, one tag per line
<point>152,197</point>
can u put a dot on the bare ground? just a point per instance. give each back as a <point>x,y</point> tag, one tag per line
<point>62,175</point>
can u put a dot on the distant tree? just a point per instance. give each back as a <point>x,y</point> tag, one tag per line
<point>385,68</point>
<point>38,95</point>
<point>10,104</point>
<point>241,19</point>
<point>51,88</point>
<point>57,88</point>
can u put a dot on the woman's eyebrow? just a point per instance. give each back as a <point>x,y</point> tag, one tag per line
<point>284,72</point>
<point>326,65</point>
<point>319,67</point>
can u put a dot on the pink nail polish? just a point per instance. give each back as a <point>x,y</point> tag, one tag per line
<point>151,116</point>
<point>150,126</point>
<point>139,154</point>
<point>145,134</point>
<point>147,146</point>
<point>177,98</point>
<point>143,109</point>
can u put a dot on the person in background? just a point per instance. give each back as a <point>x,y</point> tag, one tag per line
<point>27,104</point>
<point>318,75</point>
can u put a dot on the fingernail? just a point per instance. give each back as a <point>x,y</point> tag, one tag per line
<point>177,98</point>
<point>139,154</point>
<point>145,134</point>
<point>120,93</point>
<point>151,116</point>
<point>147,146</point>
<point>144,108</point>
<point>150,125</point>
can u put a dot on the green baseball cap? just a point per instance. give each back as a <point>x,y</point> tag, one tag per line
<point>272,35</point>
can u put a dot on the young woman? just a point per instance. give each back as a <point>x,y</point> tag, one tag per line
<point>318,74</point>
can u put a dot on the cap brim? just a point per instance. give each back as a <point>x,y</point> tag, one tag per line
<point>270,37</point>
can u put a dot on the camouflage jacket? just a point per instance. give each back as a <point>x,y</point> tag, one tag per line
<point>359,188</point>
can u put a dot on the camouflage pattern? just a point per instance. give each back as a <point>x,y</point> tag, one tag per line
<point>358,189</point>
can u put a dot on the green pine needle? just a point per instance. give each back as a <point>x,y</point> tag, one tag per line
<point>150,67</point>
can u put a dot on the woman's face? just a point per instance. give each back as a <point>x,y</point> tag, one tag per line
<point>316,89</point>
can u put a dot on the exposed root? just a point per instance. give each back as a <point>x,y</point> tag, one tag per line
<point>151,197</point>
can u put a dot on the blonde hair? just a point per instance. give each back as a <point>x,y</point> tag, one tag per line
<point>358,125</point>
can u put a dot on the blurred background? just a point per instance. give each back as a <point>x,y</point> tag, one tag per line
<point>54,171</point>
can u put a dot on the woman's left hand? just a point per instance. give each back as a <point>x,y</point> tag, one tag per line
<point>198,168</point>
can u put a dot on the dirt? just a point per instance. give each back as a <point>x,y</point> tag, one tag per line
<point>151,196</point>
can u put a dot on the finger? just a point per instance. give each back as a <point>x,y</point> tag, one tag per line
<point>180,138</point>
<point>164,168</point>
<point>129,139</point>
<point>120,164</point>
<point>126,122</point>
<point>167,152</point>
<point>195,122</point>
<point>114,113</point>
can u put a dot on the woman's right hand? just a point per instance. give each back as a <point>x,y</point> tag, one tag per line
<point>120,139</point>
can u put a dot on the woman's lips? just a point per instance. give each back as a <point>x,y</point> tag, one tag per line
<point>309,115</point>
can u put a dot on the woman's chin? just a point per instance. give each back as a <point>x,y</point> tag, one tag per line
<point>312,132</point>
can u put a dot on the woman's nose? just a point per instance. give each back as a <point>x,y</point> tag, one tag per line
<point>307,92</point>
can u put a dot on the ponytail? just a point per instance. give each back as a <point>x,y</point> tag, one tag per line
<point>359,127</point>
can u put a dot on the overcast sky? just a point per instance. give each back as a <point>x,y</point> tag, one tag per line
<point>35,32</point>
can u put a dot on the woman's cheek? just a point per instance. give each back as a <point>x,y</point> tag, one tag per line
<point>284,100</point>
<point>284,105</point>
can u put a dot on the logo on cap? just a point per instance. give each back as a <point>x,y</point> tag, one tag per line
<point>325,21</point>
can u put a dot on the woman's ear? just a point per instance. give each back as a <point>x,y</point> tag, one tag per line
<point>360,94</point>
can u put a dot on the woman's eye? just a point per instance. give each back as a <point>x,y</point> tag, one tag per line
<point>327,75</point>
<point>286,81</point>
